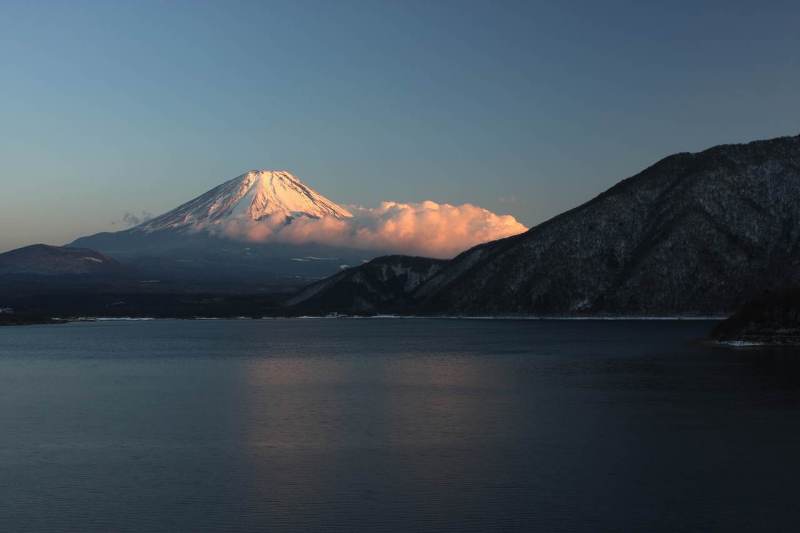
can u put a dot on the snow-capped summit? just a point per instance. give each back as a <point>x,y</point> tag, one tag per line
<point>255,195</point>
<point>226,235</point>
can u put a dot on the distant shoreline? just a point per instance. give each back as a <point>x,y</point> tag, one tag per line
<point>11,319</point>
<point>400,317</point>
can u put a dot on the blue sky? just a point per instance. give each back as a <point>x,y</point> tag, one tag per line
<point>528,108</point>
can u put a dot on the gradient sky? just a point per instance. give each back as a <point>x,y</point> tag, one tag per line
<point>527,108</point>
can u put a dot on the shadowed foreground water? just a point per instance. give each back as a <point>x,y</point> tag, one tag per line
<point>394,425</point>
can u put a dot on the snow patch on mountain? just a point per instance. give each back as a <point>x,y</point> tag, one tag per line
<point>254,196</point>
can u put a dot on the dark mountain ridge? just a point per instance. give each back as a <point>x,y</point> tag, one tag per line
<point>41,281</point>
<point>185,255</point>
<point>695,233</point>
<point>384,283</point>
<point>45,260</point>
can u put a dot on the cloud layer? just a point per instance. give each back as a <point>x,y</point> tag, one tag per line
<point>426,228</point>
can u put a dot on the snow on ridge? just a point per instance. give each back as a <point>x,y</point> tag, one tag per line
<point>255,195</point>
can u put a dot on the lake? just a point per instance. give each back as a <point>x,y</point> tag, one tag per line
<point>350,425</point>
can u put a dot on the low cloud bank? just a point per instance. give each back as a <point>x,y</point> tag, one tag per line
<point>426,228</point>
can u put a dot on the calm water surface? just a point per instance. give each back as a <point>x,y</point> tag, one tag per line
<point>394,425</point>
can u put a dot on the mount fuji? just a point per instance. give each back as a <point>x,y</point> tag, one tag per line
<point>201,239</point>
<point>256,196</point>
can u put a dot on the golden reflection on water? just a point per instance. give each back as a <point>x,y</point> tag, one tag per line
<point>325,430</point>
<point>368,401</point>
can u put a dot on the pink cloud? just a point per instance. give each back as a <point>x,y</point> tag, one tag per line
<point>425,228</point>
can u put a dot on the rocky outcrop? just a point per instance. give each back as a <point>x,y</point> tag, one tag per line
<point>771,319</point>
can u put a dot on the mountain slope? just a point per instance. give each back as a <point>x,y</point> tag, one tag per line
<point>384,283</point>
<point>44,260</point>
<point>694,233</point>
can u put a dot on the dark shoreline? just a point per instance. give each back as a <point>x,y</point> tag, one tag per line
<point>611,318</point>
<point>13,319</point>
<point>773,319</point>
